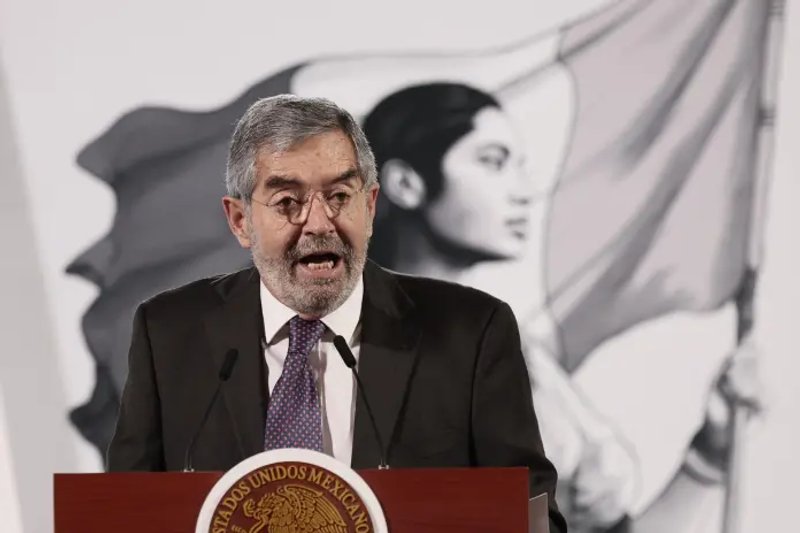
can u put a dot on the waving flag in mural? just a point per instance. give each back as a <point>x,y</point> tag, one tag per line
<point>667,125</point>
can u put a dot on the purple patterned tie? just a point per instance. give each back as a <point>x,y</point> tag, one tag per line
<point>294,418</point>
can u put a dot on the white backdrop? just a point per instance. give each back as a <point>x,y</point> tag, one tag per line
<point>71,68</point>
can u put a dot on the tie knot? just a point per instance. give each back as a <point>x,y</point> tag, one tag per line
<point>304,334</point>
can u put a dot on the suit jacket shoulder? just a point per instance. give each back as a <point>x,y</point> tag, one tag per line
<point>422,288</point>
<point>436,302</point>
<point>197,297</point>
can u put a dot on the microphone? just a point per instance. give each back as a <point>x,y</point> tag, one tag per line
<point>350,360</point>
<point>225,372</point>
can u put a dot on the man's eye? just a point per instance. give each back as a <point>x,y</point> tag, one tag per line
<point>338,198</point>
<point>287,202</point>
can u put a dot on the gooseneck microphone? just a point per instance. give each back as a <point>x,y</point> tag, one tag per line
<point>225,372</point>
<point>350,360</point>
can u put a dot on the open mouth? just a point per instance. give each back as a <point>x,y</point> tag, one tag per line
<point>320,261</point>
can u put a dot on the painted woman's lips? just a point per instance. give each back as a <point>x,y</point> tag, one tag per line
<point>519,226</point>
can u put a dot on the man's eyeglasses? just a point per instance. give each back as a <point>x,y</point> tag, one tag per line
<point>295,206</point>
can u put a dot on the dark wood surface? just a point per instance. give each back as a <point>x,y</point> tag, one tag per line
<point>414,500</point>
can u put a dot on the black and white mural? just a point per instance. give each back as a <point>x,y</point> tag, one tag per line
<point>607,173</point>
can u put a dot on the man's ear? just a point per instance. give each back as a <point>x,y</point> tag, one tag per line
<point>402,185</point>
<point>237,219</point>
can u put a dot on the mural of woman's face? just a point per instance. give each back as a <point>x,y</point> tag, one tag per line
<point>485,198</point>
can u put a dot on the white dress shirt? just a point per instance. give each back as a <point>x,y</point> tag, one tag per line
<point>335,382</point>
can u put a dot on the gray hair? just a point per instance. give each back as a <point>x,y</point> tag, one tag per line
<point>280,122</point>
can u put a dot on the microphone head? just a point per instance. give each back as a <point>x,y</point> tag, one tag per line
<point>344,351</point>
<point>226,369</point>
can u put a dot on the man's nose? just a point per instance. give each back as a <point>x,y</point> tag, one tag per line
<point>318,221</point>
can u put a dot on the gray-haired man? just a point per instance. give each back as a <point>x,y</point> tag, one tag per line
<point>441,363</point>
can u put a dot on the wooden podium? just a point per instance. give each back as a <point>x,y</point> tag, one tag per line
<point>414,500</point>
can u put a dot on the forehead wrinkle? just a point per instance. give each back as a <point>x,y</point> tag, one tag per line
<point>325,159</point>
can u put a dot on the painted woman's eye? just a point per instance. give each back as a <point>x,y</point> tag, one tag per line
<point>494,156</point>
<point>496,163</point>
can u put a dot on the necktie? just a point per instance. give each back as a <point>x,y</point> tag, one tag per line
<point>294,418</point>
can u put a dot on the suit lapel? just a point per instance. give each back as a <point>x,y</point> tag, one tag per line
<point>237,324</point>
<point>387,358</point>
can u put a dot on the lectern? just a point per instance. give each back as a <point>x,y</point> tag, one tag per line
<point>440,500</point>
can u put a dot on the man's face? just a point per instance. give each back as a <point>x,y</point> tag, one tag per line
<point>309,255</point>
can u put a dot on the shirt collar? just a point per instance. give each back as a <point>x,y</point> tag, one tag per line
<point>342,321</point>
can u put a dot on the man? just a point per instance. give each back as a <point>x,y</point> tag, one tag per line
<point>441,363</point>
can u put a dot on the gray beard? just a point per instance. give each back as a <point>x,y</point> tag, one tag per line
<point>314,298</point>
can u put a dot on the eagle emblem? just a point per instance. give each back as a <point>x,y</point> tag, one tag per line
<point>294,509</point>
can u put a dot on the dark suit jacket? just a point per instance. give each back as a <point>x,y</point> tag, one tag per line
<point>441,365</point>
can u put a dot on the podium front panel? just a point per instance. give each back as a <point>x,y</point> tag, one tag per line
<point>414,500</point>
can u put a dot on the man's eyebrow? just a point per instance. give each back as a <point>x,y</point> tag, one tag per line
<point>278,181</point>
<point>282,181</point>
<point>347,175</point>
